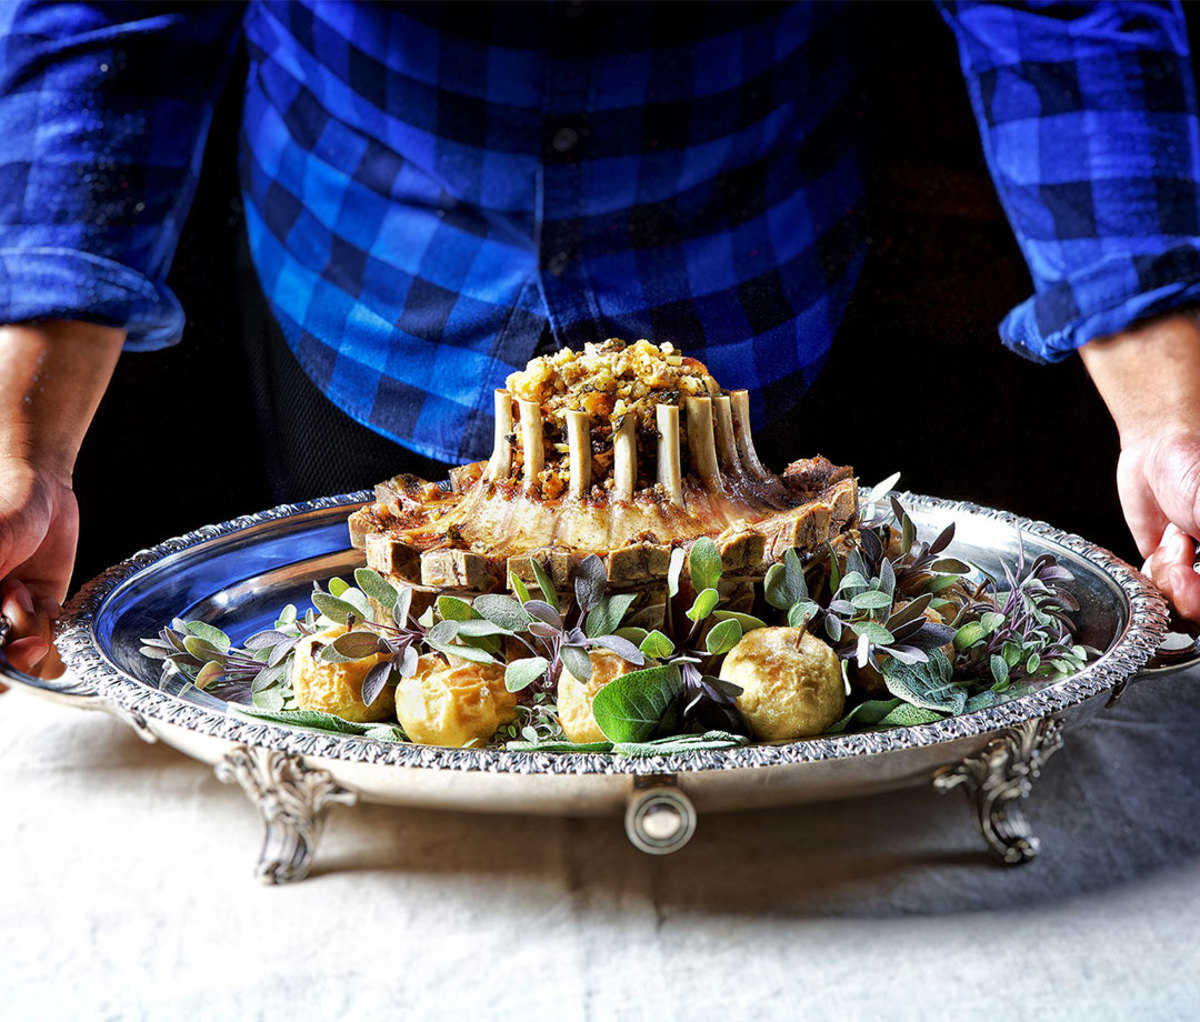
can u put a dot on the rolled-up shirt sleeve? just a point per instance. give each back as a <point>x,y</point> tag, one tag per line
<point>1088,118</point>
<point>104,109</point>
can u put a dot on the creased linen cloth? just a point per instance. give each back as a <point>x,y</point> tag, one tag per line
<point>126,891</point>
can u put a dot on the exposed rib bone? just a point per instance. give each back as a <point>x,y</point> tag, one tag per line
<point>579,446</point>
<point>740,404</point>
<point>500,463</point>
<point>669,474</point>
<point>700,441</point>
<point>727,453</point>
<point>625,459</point>
<point>531,440</point>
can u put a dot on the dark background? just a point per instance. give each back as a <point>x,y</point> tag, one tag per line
<point>918,380</point>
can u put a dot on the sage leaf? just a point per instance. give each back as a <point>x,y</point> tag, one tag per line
<point>280,652</point>
<point>386,733</point>
<point>968,635</point>
<point>402,607</point>
<point>375,681</point>
<point>704,564</point>
<point>314,720</point>
<point>657,645</point>
<point>520,674</point>
<point>357,645</point>
<point>867,713</point>
<point>545,613</point>
<point>269,699</point>
<point>881,490</point>
<point>338,611</point>
<point>209,673</point>
<point>940,583</point>
<point>472,653</point>
<point>337,586</point>
<point>409,661</point>
<point>210,634</point>
<point>558,745</point>
<point>950,566</point>
<point>377,587</point>
<point>873,632</point>
<point>203,650</point>
<point>265,640</point>
<point>906,715</point>
<point>577,662</point>
<point>799,614</point>
<point>1000,671</point>
<point>268,676</point>
<point>929,685</point>
<point>872,599</point>
<point>479,628</point>
<point>451,608</point>
<point>705,603</point>
<point>748,621</point>
<point>629,708</point>
<point>675,570</point>
<point>710,740</point>
<point>549,593</point>
<point>625,649</point>
<point>605,617</point>
<point>518,586</point>
<point>503,611</point>
<point>590,580</point>
<point>794,575</point>
<point>775,587</point>
<point>722,637</point>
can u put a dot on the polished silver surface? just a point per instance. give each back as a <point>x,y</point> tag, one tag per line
<point>292,799</point>
<point>999,778</point>
<point>238,574</point>
<point>660,819</point>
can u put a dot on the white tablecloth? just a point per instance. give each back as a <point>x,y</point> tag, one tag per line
<point>127,893</point>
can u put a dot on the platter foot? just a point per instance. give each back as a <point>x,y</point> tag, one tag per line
<point>998,778</point>
<point>659,818</point>
<point>293,800</point>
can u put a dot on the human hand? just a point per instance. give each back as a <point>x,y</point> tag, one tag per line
<point>39,526</point>
<point>54,374</point>
<point>1150,380</point>
<point>1159,485</point>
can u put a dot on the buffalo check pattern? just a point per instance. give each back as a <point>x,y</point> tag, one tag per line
<point>431,188</point>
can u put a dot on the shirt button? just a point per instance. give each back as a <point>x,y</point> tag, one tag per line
<point>557,263</point>
<point>564,140</point>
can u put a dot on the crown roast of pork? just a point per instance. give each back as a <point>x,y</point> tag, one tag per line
<point>621,450</point>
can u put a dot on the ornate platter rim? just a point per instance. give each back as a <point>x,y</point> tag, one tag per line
<point>97,675</point>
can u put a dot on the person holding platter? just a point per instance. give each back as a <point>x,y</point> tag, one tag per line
<point>432,196</point>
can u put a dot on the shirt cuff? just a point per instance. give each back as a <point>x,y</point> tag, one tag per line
<point>1102,299</point>
<point>55,283</point>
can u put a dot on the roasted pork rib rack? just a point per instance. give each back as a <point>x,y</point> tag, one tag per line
<point>705,480</point>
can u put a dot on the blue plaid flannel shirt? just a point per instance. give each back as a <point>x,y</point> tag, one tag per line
<point>430,187</point>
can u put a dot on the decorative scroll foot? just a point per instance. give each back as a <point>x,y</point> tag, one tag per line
<point>292,799</point>
<point>998,778</point>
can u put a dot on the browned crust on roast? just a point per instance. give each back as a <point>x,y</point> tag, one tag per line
<point>747,548</point>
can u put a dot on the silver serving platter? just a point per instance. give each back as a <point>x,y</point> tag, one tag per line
<point>238,574</point>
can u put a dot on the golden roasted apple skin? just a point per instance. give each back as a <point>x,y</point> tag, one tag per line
<point>337,688</point>
<point>574,699</point>
<point>791,683</point>
<point>454,704</point>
